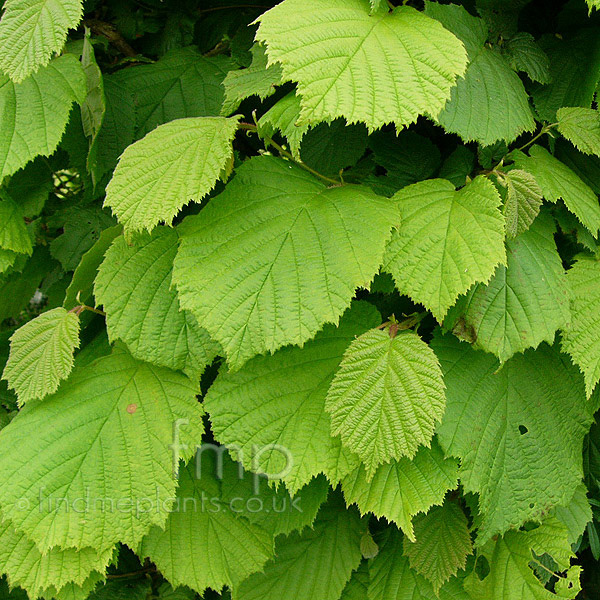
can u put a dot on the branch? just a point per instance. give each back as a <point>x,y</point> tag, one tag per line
<point>110,32</point>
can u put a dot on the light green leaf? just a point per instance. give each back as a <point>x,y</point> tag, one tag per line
<point>524,54</point>
<point>509,558</point>
<point>518,431</point>
<point>447,241</point>
<point>581,126</point>
<point>576,514</point>
<point>204,543</point>
<point>314,564</point>
<point>41,354</point>
<point>523,201</point>
<point>27,567</point>
<point>35,111</point>
<point>142,309</point>
<point>31,31</point>
<point>524,303</point>
<point>581,339</point>
<point>401,489</point>
<point>277,255</point>
<point>592,4</point>
<point>276,403</point>
<point>558,181</point>
<point>7,259</point>
<point>273,509</point>
<point>174,164</point>
<point>111,414</point>
<point>13,231</point>
<point>442,543</point>
<point>490,102</point>
<point>283,117</point>
<point>386,397</point>
<point>391,577</point>
<point>257,80</point>
<point>183,83</point>
<point>407,62</point>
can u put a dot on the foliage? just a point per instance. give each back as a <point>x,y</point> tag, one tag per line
<point>299,299</point>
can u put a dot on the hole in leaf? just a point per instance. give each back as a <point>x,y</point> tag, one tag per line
<point>523,430</point>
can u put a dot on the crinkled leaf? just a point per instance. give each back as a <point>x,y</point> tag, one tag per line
<point>406,62</point>
<point>442,543</point>
<point>401,489</point>
<point>316,563</point>
<point>489,102</point>
<point>35,111</point>
<point>256,80</point>
<point>13,231</point>
<point>581,126</point>
<point>524,303</point>
<point>386,397</point>
<point>447,240</point>
<point>110,415</point>
<point>581,339</point>
<point>524,54</point>
<point>41,354</point>
<point>558,181</point>
<point>31,31</point>
<point>523,201</point>
<point>277,255</point>
<point>518,431</point>
<point>142,309</point>
<point>204,542</point>
<point>277,402</point>
<point>174,164</point>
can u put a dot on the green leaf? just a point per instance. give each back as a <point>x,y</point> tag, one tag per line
<point>283,117</point>
<point>524,303</point>
<point>31,31</point>
<point>36,111</point>
<point>581,126</point>
<point>407,62</point>
<point>31,186</point>
<point>523,201</point>
<point>257,80</point>
<point>204,543</point>
<point>576,514</point>
<point>401,489</point>
<point>174,164</point>
<point>448,240</point>
<point>183,83</point>
<point>13,231</point>
<point>489,103</point>
<point>581,339</point>
<point>509,558</point>
<point>276,403</point>
<point>558,181</point>
<point>356,588</point>
<point>28,568</point>
<point>442,543</point>
<point>80,290</point>
<point>386,397</point>
<point>518,431</point>
<point>277,255</point>
<point>574,72</point>
<point>111,414</point>
<point>524,54</point>
<point>314,564</point>
<point>142,309</point>
<point>41,354</point>
<point>272,509</point>
<point>121,589</point>
<point>391,577</point>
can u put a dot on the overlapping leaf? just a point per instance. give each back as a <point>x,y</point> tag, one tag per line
<point>448,240</point>
<point>177,162</point>
<point>581,126</point>
<point>13,231</point>
<point>386,397</point>
<point>142,309</point>
<point>406,63</point>
<point>277,255</point>
<point>517,431</point>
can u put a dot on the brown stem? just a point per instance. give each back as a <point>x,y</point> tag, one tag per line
<point>110,32</point>
<point>82,307</point>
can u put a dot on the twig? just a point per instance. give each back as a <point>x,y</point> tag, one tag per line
<point>110,32</point>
